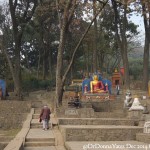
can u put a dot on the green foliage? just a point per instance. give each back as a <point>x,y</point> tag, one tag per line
<point>37,84</point>
<point>134,69</point>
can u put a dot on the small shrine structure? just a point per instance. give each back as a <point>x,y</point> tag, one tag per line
<point>116,78</point>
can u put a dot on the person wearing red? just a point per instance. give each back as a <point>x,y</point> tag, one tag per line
<point>45,117</point>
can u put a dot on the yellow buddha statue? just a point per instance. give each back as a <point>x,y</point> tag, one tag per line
<point>96,86</point>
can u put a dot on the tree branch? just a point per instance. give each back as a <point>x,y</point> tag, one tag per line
<point>78,45</point>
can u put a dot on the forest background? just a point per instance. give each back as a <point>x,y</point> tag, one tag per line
<point>47,43</point>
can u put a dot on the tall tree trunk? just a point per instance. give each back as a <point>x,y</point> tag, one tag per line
<point>95,38</point>
<point>122,40</point>
<point>146,64</point>
<point>50,65</point>
<point>44,64</point>
<point>18,29</point>
<point>17,68</point>
<point>38,67</point>
<point>147,44</point>
<point>125,52</point>
<point>59,82</point>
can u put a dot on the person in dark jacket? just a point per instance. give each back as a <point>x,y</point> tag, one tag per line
<point>45,117</point>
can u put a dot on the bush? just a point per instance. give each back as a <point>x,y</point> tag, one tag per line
<point>35,84</point>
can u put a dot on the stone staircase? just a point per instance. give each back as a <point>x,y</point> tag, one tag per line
<point>106,128</point>
<point>36,137</point>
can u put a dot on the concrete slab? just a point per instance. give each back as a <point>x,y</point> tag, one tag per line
<point>100,127</point>
<point>41,148</point>
<point>36,121</point>
<point>102,145</point>
<point>39,133</point>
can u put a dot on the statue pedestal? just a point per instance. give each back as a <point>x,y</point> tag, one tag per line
<point>135,114</point>
<point>97,97</point>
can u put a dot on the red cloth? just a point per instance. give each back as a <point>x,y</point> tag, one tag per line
<point>45,113</point>
<point>97,86</point>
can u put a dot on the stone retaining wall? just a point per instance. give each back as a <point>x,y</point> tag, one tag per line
<point>75,113</point>
<point>87,113</point>
<point>2,146</point>
<point>13,113</point>
<point>109,115</point>
<point>100,134</point>
<point>97,121</point>
<point>143,137</point>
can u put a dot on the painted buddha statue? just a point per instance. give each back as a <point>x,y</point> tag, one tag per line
<point>96,86</point>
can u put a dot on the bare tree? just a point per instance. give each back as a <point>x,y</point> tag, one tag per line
<point>68,13</point>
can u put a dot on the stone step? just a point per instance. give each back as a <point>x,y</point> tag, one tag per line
<point>41,148</point>
<point>45,148</point>
<point>36,104</point>
<point>35,116</point>
<point>37,110</point>
<point>53,119</point>
<point>107,145</point>
<point>39,135</point>
<point>39,143</point>
<point>36,124</point>
<point>40,140</point>
<point>99,132</point>
<point>96,121</point>
<point>143,137</point>
<point>110,114</point>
